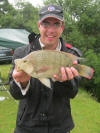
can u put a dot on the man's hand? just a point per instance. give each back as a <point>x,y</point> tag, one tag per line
<point>21,76</point>
<point>66,73</point>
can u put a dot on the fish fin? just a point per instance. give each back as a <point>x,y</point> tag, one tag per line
<point>42,69</point>
<point>85,71</point>
<point>74,57</point>
<point>46,82</point>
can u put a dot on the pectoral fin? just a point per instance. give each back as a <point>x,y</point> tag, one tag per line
<point>46,82</point>
<point>42,69</point>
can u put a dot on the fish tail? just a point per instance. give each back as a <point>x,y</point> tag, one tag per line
<point>85,71</point>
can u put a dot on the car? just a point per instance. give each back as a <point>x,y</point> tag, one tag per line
<point>6,54</point>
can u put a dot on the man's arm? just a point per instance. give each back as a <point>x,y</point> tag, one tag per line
<point>18,80</point>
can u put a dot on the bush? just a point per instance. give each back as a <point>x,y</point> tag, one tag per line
<point>93,85</point>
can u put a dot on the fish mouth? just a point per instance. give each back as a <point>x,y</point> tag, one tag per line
<point>17,63</point>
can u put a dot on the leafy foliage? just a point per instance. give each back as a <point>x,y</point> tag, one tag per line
<point>24,16</point>
<point>93,85</point>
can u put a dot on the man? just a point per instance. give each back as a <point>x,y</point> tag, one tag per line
<point>41,109</point>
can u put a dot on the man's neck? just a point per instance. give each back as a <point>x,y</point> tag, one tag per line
<point>50,47</point>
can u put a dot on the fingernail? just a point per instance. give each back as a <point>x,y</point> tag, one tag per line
<point>72,68</point>
<point>62,68</point>
<point>67,68</point>
<point>54,76</point>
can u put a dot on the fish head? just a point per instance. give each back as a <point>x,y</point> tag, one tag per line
<point>25,65</point>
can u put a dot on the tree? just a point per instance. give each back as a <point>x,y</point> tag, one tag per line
<point>24,16</point>
<point>28,14</point>
<point>7,14</point>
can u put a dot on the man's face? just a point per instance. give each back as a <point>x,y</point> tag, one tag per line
<point>50,31</point>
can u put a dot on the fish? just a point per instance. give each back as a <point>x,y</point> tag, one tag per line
<point>43,64</point>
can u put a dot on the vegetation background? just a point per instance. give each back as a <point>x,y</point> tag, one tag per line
<point>82,30</point>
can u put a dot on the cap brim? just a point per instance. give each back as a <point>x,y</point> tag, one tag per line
<point>51,16</point>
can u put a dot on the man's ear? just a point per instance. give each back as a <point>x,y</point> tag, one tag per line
<point>62,27</point>
<point>38,24</point>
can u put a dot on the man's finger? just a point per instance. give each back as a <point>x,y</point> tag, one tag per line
<point>69,73</point>
<point>75,62</point>
<point>63,74</point>
<point>74,71</point>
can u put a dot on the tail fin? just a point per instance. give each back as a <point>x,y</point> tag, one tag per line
<point>85,71</point>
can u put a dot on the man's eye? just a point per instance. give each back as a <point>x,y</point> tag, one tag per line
<point>45,23</point>
<point>57,24</point>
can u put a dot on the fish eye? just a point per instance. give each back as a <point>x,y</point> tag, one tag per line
<point>25,61</point>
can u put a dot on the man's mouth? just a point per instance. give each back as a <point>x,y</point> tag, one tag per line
<point>50,37</point>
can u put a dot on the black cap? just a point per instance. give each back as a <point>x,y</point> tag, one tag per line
<point>51,11</point>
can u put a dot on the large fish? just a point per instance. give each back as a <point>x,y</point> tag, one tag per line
<point>45,63</point>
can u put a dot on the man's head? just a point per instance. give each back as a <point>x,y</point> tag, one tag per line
<point>51,11</point>
<point>51,25</point>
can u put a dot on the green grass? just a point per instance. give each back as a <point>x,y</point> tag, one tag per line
<point>8,111</point>
<point>8,107</point>
<point>85,110</point>
<point>4,71</point>
<point>86,113</point>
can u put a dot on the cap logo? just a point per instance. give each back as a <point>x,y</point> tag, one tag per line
<point>51,8</point>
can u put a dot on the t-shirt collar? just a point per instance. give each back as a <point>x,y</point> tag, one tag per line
<point>57,48</point>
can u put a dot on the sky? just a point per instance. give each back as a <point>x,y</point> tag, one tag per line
<point>33,2</point>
